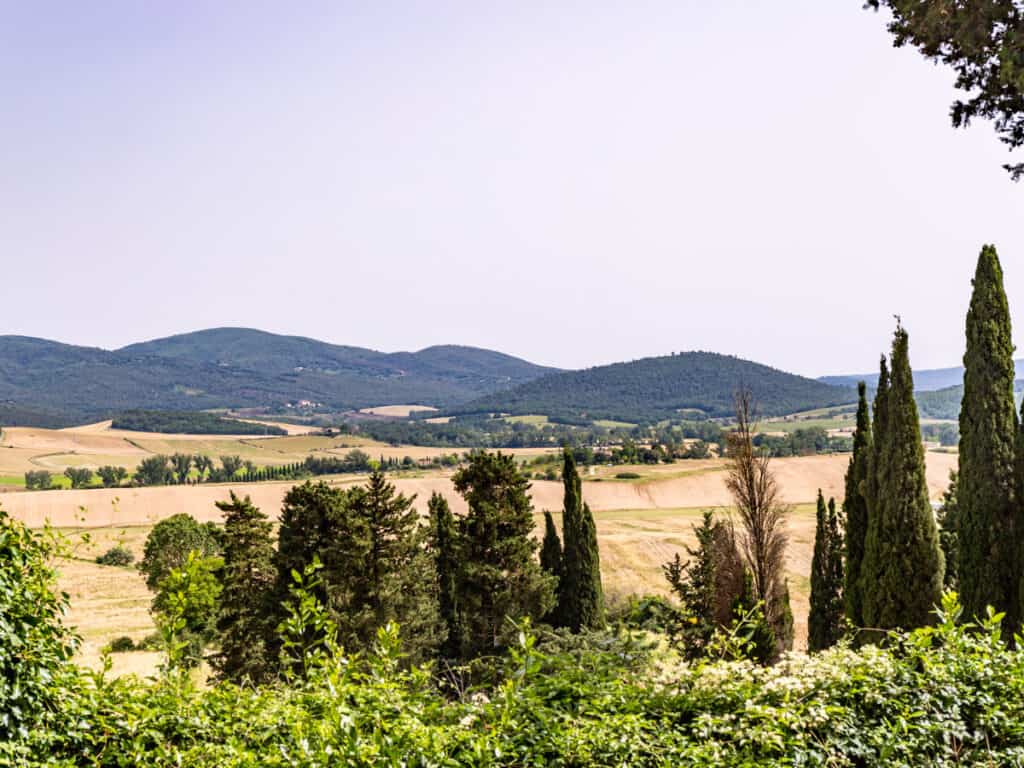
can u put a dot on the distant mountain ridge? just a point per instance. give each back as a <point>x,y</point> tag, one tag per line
<point>242,367</point>
<point>925,380</point>
<point>657,388</point>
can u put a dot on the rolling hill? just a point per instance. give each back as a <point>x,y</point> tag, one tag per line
<point>239,367</point>
<point>661,387</point>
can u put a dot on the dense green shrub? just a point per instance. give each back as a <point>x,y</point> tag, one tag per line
<point>34,646</point>
<point>117,555</point>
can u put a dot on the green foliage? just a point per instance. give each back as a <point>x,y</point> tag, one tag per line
<point>551,548</point>
<point>80,477</point>
<point>658,388</point>
<point>855,510</point>
<point>981,41</point>
<point>948,519</point>
<point>39,480</point>
<point>499,576</point>
<point>580,595</point>
<point>825,620</point>
<point>154,470</point>
<point>809,441</point>
<point>990,519</point>
<point>444,544</point>
<point>903,567</point>
<point>112,476</point>
<point>185,608</point>
<point>707,587</point>
<point>245,620</point>
<point>34,646</point>
<point>169,543</point>
<point>190,423</point>
<point>117,555</point>
<point>377,570</point>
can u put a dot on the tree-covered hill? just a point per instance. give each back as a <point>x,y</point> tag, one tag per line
<point>662,387</point>
<point>190,423</point>
<point>240,368</point>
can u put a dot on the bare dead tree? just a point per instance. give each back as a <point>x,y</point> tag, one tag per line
<point>762,535</point>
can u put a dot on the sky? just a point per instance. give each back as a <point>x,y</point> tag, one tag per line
<point>573,183</point>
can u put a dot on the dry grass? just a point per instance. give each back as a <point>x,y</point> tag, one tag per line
<point>397,411</point>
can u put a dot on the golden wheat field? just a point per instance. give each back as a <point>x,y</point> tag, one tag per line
<point>642,523</point>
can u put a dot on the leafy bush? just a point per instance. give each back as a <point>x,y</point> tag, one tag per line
<point>121,644</point>
<point>627,476</point>
<point>169,543</point>
<point>34,646</point>
<point>117,556</point>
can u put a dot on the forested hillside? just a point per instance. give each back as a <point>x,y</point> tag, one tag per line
<point>662,387</point>
<point>239,368</point>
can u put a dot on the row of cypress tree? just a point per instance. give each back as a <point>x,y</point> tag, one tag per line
<point>574,560</point>
<point>895,561</point>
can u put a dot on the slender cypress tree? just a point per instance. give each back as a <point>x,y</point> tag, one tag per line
<point>580,599</point>
<point>989,515</point>
<point>825,621</point>
<point>551,547</point>
<point>855,509</point>
<point>446,562</point>
<point>246,623</point>
<point>903,566</point>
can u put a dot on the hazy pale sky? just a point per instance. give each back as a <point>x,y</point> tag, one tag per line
<point>576,183</point>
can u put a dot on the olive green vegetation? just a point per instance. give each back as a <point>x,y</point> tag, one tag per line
<point>444,544</point>
<point>903,566</point>
<point>580,597</point>
<point>990,521</point>
<point>855,509</point>
<point>499,576</point>
<point>248,577</point>
<point>825,620</point>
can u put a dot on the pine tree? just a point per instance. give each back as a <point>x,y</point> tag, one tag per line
<point>377,570</point>
<point>825,621</point>
<point>855,509</point>
<point>500,578</point>
<point>309,518</point>
<point>246,623</point>
<point>580,597</point>
<point>444,544</point>
<point>903,567</point>
<point>989,516</point>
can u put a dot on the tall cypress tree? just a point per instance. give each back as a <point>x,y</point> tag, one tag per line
<point>825,621</point>
<point>446,563</point>
<point>903,566</point>
<point>989,515</point>
<point>246,624</point>
<point>580,598</point>
<point>855,509</point>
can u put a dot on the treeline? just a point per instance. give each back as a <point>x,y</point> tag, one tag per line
<point>185,469</point>
<point>367,558</point>
<point>190,423</point>
<point>804,442</point>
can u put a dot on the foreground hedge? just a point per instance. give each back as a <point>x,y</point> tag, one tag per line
<point>949,695</point>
